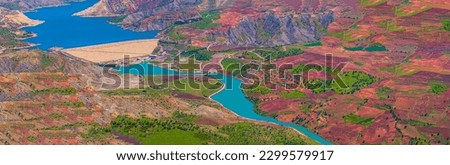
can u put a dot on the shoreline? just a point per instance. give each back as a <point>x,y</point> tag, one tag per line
<point>24,47</point>
<point>80,57</point>
<point>258,121</point>
<point>39,22</point>
<point>49,6</point>
<point>254,120</point>
<point>33,35</point>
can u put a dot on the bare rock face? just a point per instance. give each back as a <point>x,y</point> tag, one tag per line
<point>15,19</point>
<point>27,5</point>
<point>145,15</point>
<point>267,28</point>
<point>272,29</point>
<point>25,61</point>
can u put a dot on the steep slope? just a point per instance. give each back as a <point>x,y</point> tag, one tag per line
<point>11,35</point>
<point>241,23</point>
<point>15,19</point>
<point>271,29</point>
<point>145,14</point>
<point>27,5</point>
<point>46,98</point>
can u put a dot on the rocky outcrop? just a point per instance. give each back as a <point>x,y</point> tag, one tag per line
<point>144,15</point>
<point>15,19</point>
<point>260,26</point>
<point>27,5</point>
<point>25,61</point>
<point>271,29</point>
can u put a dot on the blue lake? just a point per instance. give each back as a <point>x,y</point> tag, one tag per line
<point>61,29</point>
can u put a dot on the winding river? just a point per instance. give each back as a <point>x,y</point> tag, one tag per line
<point>234,99</point>
<point>231,97</point>
<point>61,29</point>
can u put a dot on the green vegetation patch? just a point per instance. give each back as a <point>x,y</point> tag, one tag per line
<point>305,108</point>
<point>355,119</point>
<point>391,27</point>
<point>208,17</point>
<point>446,24</point>
<point>318,86</point>
<point>69,104</point>
<point>32,139</point>
<point>200,54</point>
<point>352,82</point>
<point>116,20</point>
<point>358,63</point>
<point>260,89</point>
<point>232,65</point>
<point>262,32</point>
<point>401,13</point>
<point>46,60</point>
<point>278,53</point>
<point>418,123</point>
<point>150,91</point>
<point>8,39</point>
<point>56,116</point>
<point>61,91</point>
<point>301,68</point>
<point>383,92</point>
<point>419,141</point>
<point>293,94</point>
<point>177,130</point>
<point>312,44</point>
<point>175,35</point>
<point>253,56</point>
<point>336,34</point>
<point>204,89</point>
<point>65,126</point>
<point>371,3</point>
<point>438,88</point>
<point>376,47</point>
<point>344,83</point>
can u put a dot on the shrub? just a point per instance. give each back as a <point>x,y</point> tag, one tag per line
<point>293,94</point>
<point>208,17</point>
<point>446,24</point>
<point>438,88</point>
<point>355,119</point>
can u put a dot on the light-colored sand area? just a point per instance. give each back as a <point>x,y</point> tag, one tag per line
<point>114,51</point>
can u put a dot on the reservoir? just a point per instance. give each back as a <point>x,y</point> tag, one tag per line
<point>231,97</point>
<point>61,29</point>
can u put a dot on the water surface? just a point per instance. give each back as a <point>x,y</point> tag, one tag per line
<point>231,97</point>
<point>234,99</point>
<point>61,29</point>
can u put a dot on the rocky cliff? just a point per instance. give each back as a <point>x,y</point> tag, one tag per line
<point>238,22</point>
<point>144,14</point>
<point>27,5</point>
<point>15,19</point>
<point>271,29</point>
<point>26,61</point>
